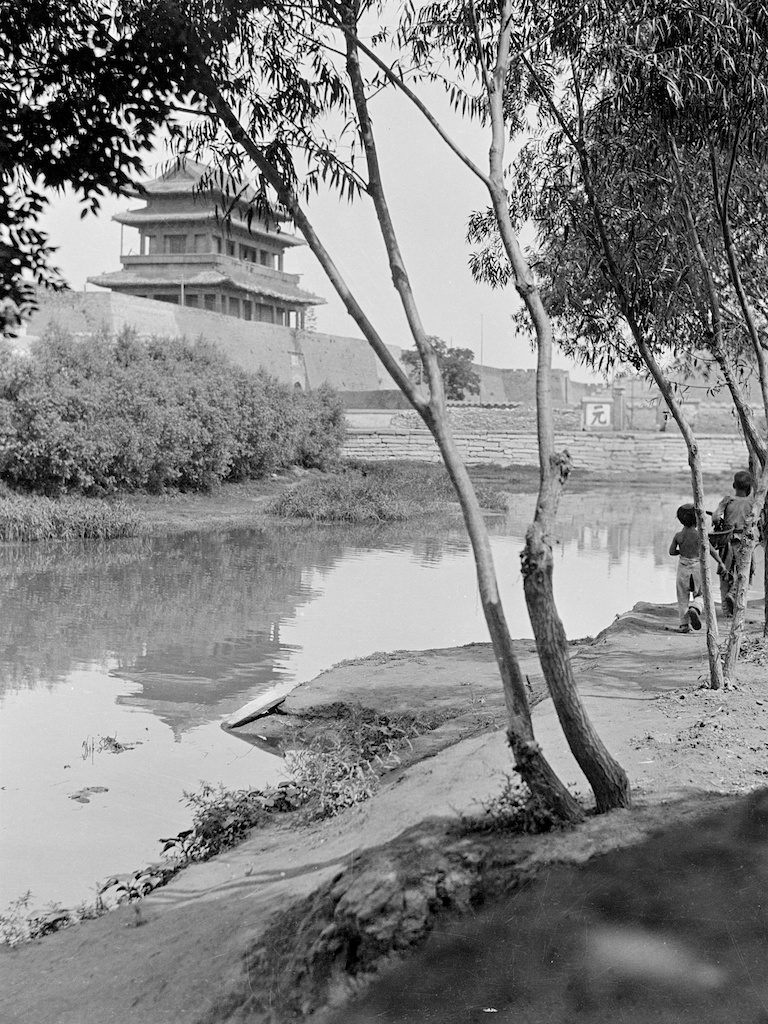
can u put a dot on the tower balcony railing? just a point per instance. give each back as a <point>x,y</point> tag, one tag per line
<point>201,259</point>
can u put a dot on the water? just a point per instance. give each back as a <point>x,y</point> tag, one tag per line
<point>155,642</point>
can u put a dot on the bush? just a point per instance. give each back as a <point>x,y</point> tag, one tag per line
<point>101,415</point>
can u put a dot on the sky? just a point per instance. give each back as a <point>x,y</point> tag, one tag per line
<point>431,195</point>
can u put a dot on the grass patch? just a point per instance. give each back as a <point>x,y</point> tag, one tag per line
<point>348,499</point>
<point>383,492</point>
<point>25,518</point>
<point>19,923</point>
<point>512,809</point>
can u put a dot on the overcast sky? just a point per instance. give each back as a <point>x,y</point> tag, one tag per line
<point>431,194</point>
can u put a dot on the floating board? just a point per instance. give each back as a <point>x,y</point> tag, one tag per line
<point>256,708</point>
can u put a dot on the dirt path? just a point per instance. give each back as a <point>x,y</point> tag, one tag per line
<point>291,919</point>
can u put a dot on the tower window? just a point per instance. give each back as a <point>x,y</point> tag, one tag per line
<point>175,244</point>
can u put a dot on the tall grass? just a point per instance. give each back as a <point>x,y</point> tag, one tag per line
<point>35,518</point>
<point>348,499</point>
<point>377,493</point>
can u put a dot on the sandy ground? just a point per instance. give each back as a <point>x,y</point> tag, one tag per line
<point>295,921</point>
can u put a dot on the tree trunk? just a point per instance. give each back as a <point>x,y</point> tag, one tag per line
<point>533,767</point>
<point>694,460</point>
<point>546,788</point>
<point>606,777</point>
<point>716,670</point>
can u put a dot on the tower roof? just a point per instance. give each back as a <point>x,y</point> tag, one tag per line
<point>275,288</point>
<point>190,177</point>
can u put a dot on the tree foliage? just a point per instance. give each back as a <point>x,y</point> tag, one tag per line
<point>459,376</point>
<point>646,174</point>
<point>80,100</point>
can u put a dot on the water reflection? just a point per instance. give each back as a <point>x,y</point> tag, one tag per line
<point>157,640</point>
<point>200,618</point>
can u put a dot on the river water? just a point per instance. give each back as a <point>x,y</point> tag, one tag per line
<point>155,642</point>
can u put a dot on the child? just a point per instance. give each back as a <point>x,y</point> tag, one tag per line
<point>729,520</point>
<point>685,544</point>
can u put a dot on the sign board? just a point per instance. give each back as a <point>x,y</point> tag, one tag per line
<point>597,413</point>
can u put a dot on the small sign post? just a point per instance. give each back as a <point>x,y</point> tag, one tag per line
<point>597,412</point>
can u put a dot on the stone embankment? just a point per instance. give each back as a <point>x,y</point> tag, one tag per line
<point>607,453</point>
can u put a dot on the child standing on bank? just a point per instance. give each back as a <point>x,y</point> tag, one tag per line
<point>685,545</point>
<point>729,521</point>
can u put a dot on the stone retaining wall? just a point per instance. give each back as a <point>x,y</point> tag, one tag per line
<point>622,454</point>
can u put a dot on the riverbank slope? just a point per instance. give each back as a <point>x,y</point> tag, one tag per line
<point>293,921</point>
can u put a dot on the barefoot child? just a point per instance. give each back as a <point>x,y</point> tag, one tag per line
<point>685,544</point>
<point>729,520</point>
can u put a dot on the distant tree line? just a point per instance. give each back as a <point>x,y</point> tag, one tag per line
<point>106,414</point>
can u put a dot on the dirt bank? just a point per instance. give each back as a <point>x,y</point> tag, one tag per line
<point>294,920</point>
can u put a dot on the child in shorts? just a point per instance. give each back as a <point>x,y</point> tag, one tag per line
<point>685,545</point>
<point>729,520</point>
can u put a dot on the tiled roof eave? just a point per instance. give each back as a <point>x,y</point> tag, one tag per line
<point>139,218</point>
<point>121,281</point>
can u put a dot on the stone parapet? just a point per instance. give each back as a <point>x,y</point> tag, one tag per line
<point>619,454</point>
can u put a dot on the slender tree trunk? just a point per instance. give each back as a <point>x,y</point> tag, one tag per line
<point>576,138</point>
<point>533,767</point>
<point>694,459</point>
<point>756,445</point>
<point>607,778</point>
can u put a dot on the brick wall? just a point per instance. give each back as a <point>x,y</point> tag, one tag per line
<point>620,454</point>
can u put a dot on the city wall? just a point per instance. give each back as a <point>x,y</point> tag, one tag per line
<point>296,357</point>
<point>618,454</point>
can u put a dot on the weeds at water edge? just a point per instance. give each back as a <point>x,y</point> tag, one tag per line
<point>31,518</point>
<point>334,770</point>
<point>513,809</point>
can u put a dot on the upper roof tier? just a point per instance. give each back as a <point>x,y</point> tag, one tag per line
<point>213,192</point>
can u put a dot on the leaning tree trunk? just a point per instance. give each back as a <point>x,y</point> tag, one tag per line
<point>606,777</point>
<point>627,308</point>
<point>546,788</point>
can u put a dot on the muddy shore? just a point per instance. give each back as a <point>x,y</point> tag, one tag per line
<point>296,921</point>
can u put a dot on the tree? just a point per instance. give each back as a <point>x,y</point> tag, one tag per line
<point>640,109</point>
<point>479,43</point>
<point>459,377</point>
<point>79,105</point>
<point>266,85</point>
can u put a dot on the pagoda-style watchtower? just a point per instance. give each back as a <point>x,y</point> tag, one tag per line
<point>189,255</point>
